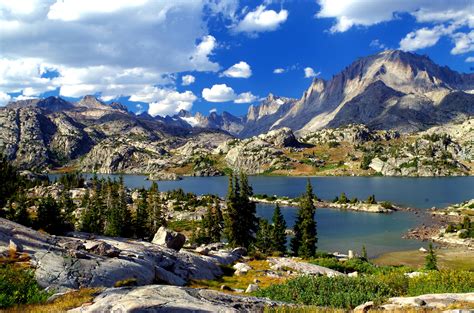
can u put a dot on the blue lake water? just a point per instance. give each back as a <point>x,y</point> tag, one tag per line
<point>342,230</point>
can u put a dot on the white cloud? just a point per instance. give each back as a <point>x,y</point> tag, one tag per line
<point>463,43</point>
<point>470,59</point>
<point>111,48</point>
<point>309,72</point>
<point>4,99</point>
<point>245,97</point>
<point>187,80</point>
<point>238,70</point>
<point>261,20</point>
<point>422,38</point>
<point>213,110</point>
<point>279,70</point>
<point>377,44</point>
<point>446,17</point>
<point>218,93</point>
<point>164,101</point>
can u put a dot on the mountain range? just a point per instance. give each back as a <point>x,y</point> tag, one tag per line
<point>392,90</point>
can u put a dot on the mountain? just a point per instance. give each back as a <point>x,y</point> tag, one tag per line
<point>226,121</point>
<point>390,90</point>
<point>93,136</point>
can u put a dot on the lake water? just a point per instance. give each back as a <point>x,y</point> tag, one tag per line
<point>342,230</point>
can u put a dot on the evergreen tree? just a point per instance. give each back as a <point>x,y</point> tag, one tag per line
<point>466,222</point>
<point>343,198</point>
<point>278,231</point>
<point>431,260</point>
<point>49,217</point>
<point>118,216</point>
<point>303,244</point>
<point>371,199</point>
<point>18,209</point>
<point>240,219</point>
<point>364,254</point>
<point>141,220</point>
<point>10,180</point>
<point>214,216</point>
<point>155,213</point>
<point>263,241</point>
<point>68,208</point>
<point>92,217</point>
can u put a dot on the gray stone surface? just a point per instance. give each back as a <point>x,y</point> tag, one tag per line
<point>169,238</point>
<point>158,298</point>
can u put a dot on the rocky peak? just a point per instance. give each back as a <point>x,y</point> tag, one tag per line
<point>118,106</point>
<point>91,102</point>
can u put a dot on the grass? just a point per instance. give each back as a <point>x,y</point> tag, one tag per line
<point>63,303</point>
<point>241,282</point>
<point>451,258</point>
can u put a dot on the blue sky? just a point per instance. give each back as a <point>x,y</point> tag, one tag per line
<point>138,53</point>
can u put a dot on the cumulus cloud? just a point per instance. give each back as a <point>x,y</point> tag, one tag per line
<point>279,70</point>
<point>309,72</point>
<point>4,99</point>
<point>218,93</point>
<point>245,97</point>
<point>187,80</point>
<point>261,20</point>
<point>224,93</point>
<point>422,38</point>
<point>239,70</point>
<point>470,59</point>
<point>165,101</point>
<point>446,17</point>
<point>113,49</point>
<point>213,110</point>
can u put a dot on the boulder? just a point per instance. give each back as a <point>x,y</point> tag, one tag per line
<point>240,251</point>
<point>14,246</point>
<point>169,239</point>
<point>251,288</point>
<point>302,267</point>
<point>353,274</point>
<point>160,298</point>
<point>164,276</point>
<point>241,267</point>
<point>203,250</point>
<point>105,249</point>
<point>365,307</point>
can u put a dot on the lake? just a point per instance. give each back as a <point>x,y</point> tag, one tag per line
<point>341,230</point>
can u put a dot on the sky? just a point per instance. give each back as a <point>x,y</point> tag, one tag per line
<point>161,56</point>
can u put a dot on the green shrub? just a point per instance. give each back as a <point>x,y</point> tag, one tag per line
<point>340,291</point>
<point>18,286</point>
<point>126,282</point>
<point>443,281</point>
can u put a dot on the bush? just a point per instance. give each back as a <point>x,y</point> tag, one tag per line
<point>443,281</point>
<point>340,291</point>
<point>18,286</point>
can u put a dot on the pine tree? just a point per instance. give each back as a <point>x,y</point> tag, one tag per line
<point>249,221</point>
<point>364,254</point>
<point>278,231</point>
<point>371,199</point>
<point>215,223</point>
<point>49,217</point>
<point>303,244</point>
<point>263,241</point>
<point>141,220</point>
<point>431,260</point>
<point>231,214</point>
<point>155,211</point>
<point>68,208</point>
<point>118,216</point>
<point>343,198</point>
<point>92,217</point>
<point>18,209</point>
<point>466,222</point>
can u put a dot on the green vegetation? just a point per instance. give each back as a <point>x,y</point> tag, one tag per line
<point>348,292</point>
<point>465,228</point>
<point>18,286</point>
<point>304,242</point>
<point>240,221</point>
<point>211,225</point>
<point>431,260</point>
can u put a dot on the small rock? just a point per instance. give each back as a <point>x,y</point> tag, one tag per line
<point>226,288</point>
<point>422,249</point>
<point>202,250</point>
<point>240,251</point>
<point>420,302</point>
<point>241,267</point>
<point>15,247</point>
<point>251,288</point>
<point>105,249</point>
<point>353,274</point>
<point>169,238</point>
<point>365,307</point>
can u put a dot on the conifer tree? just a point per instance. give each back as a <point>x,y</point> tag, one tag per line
<point>303,244</point>
<point>249,221</point>
<point>278,231</point>
<point>141,220</point>
<point>431,259</point>
<point>214,216</point>
<point>18,209</point>
<point>364,254</point>
<point>49,216</point>
<point>231,215</point>
<point>263,240</point>
<point>92,218</point>
<point>68,208</point>
<point>155,212</point>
